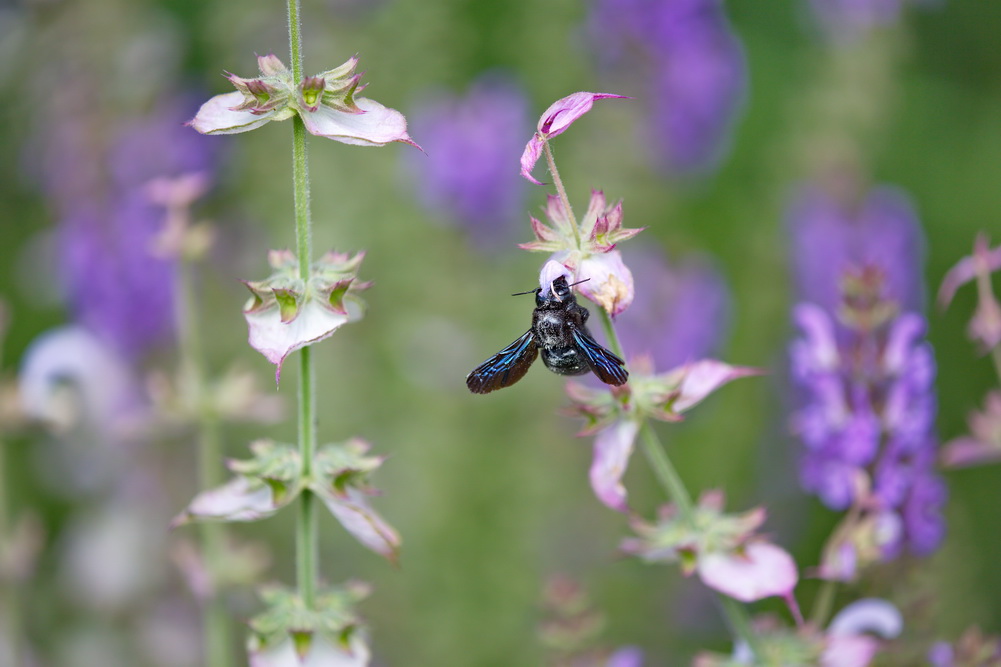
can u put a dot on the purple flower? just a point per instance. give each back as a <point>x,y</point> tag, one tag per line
<point>850,19</point>
<point>863,373</point>
<point>471,142</point>
<point>685,52</point>
<point>680,312</point>
<point>114,284</point>
<point>830,237</point>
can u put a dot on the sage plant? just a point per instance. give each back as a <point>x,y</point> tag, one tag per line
<point>302,302</point>
<point>725,550</point>
<point>864,375</point>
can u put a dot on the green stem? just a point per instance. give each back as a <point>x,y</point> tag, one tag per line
<point>11,604</point>
<point>823,603</point>
<point>666,473</point>
<point>215,621</point>
<point>996,357</point>
<point>306,528</point>
<point>561,191</point>
<point>670,480</point>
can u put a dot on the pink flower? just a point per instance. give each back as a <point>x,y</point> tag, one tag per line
<point>554,122</point>
<point>983,445</point>
<point>589,252</point>
<point>612,415</point>
<point>286,313</point>
<point>326,103</point>
<point>723,549</point>
<point>757,571</point>
<point>985,326</point>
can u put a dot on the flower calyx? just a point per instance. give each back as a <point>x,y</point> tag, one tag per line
<point>588,251</point>
<point>289,631</point>
<point>326,102</point>
<point>286,312</point>
<point>724,549</point>
<point>273,478</point>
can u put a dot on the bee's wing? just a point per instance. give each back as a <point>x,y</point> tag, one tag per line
<point>606,365</point>
<point>506,367</point>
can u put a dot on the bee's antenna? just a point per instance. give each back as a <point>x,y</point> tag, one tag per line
<point>531,291</point>
<point>578,282</point>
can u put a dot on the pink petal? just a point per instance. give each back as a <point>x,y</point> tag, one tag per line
<point>322,654</point>
<point>236,500</point>
<point>612,448</point>
<point>533,149</point>
<point>983,259</point>
<point>701,378</point>
<point>963,272</point>
<point>377,126</point>
<point>552,270</point>
<point>966,451</point>
<point>609,281</point>
<point>276,339</point>
<point>857,651</point>
<point>218,117</point>
<point>985,326</point>
<point>762,570</point>
<point>354,513</point>
<point>563,112</point>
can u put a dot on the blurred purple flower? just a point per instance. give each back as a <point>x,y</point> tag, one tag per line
<point>114,285</point>
<point>862,370</point>
<point>830,237</point>
<point>679,315</point>
<point>850,19</point>
<point>471,143</point>
<point>689,57</point>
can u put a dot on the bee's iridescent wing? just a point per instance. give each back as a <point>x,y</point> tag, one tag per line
<point>605,364</point>
<point>504,368</point>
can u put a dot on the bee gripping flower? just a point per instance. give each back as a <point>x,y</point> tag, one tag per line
<point>589,253</point>
<point>554,122</point>
<point>327,104</point>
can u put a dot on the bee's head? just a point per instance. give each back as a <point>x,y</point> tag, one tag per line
<point>561,291</point>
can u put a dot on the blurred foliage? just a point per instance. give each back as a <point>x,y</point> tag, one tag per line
<point>490,493</point>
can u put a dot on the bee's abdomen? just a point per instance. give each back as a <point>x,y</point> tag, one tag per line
<point>564,360</point>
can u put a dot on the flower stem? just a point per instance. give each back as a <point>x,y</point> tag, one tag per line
<point>215,621</point>
<point>670,480</point>
<point>10,603</point>
<point>306,528</point>
<point>561,191</point>
<point>823,602</point>
<point>996,357</point>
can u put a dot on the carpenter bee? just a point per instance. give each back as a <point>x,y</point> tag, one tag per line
<point>559,331</point>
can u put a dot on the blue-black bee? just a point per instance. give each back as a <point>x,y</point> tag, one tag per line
<point>559,331</point>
